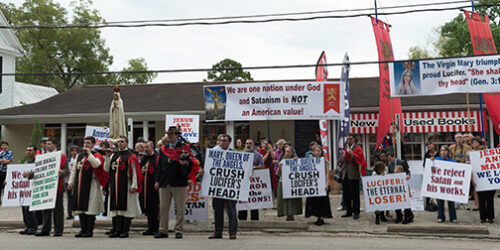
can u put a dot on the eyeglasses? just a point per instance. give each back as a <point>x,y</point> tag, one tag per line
<point>121,141</point>
<point>223,140</point>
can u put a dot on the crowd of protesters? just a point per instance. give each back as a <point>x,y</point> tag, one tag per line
<point>169,175</point>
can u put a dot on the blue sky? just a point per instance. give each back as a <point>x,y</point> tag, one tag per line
<point>257,44</point>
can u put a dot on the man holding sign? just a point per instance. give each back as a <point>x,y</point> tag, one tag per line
<point>227,180</point>
<point>29,218</point>
<point>58,210</point>
<point>258,163</point>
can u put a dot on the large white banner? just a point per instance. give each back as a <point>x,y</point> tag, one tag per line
<point>304,177</point>
<point>386,192</point>
<point>477,74</point>
<point>45,181</point>
<point>260,195</point>
<point>446,180</point>
<point>227,174</point>
<point>99,133</point>
<point>486,169</point>
<point>190,126</point>
<point>275,101</point>
<point>196,205</point>
<point>17,190</point>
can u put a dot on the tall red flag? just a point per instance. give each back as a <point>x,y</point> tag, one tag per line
<point>388,107</point>
<point>322,76</point>
<point>482,42</point>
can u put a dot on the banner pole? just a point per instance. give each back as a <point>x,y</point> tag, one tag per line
<point>481,115</point>
<point>468,112</point>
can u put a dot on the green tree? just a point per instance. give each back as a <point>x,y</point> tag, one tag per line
<point>228,70</point>
<point>60,51</point>
<point>138,64</point>
<point>36,135</point>
<point>454,38</point>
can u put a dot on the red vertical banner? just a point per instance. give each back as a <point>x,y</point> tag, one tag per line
<point>322,76</point>
<point>482,42</point>
<point>388,107</point>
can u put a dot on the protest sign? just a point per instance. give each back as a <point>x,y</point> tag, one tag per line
<point>189,124</point>
<point>486,169</point>
<point>99,133</point>
<point>45,181</point>
<point>275,101</point>
<point>446,180</point>
<point>260,195</point>
<point>386,192</point>
<point>416,167</point>
<point>304,177</point>
<point>17,190</point>
<point>415,184</point>
<point>196,205</point>
<point>227,174</point>
<point>475,74</point>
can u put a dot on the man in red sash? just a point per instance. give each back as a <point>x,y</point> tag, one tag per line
<point>150,201</point>
<point>125,180</point>
<point>86,177</point>
<point>353,166</point>
<point>174,168</point>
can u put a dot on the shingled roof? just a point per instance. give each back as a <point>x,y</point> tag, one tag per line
<point>174,97</point>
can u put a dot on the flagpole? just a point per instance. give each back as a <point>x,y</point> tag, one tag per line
<point>468,112</point>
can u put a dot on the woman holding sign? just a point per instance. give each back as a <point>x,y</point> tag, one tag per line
<point>288,207</point>
<point>319,206</point>
<point>444,155</point>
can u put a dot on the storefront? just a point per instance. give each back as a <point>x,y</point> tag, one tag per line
<point>420,127</point>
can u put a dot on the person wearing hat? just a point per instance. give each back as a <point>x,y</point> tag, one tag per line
<point>43,146</point>
<point>171,179</point>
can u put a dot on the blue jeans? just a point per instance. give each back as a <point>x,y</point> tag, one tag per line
<point>451,209</point>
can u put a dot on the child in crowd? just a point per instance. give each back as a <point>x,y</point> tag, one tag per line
<point>408,215</point>
<point>379,169</point>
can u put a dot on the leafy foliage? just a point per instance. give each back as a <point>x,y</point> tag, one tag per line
<point>228,70</point>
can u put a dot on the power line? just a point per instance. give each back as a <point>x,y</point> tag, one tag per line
<point>228,69</point>
<point>162,24</point>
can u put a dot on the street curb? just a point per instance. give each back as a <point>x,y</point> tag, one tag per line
<point>438,229</point>
<point>294,225</point>
<point>11,223</point>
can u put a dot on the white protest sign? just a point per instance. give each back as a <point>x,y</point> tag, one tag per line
<point>304,177</point>
<point>99,133</point>
<point>415,184</point>
<point>486,169</point>
<point>275,101</point>
<point>446,180</point>
<point>475,74</point>
<point>227,174</point>
<point>386,192</point>
<point>196,205</point>
<point>17,190</point>
<point>45,181</point>
<point>190,126</point>
<point>416,167</point>
<point>260,195</point>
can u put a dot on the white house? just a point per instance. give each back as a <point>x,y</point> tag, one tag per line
<point>14,93</point>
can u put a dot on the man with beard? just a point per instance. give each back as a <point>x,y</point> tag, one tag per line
<point>84,182</point>
<point>125,180</point>
<point>149,197</point>
<point>258,163</point>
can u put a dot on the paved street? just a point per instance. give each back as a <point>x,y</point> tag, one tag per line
<point>261,241</point>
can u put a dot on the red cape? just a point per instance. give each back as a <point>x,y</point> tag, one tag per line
<point>102,176</point>
<point>359,158</point>
<point>133,159</point>
<point>174,154</point>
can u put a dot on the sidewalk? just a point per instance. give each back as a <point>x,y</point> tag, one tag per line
<point>425,223</point>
